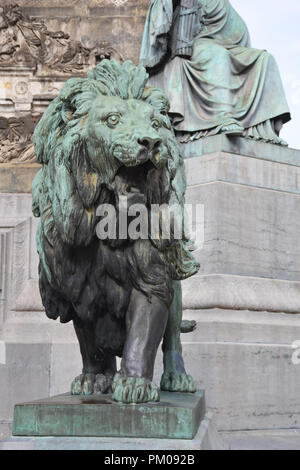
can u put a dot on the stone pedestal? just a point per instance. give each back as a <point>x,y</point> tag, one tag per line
<point>246,296</point>
<point>251,197</point>
<point>177,422</point>
<point>207,438</point>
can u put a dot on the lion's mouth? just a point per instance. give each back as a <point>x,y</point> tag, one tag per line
<point>132,180</point>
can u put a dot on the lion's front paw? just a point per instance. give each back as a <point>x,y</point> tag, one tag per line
<point>103,383</point>
<point>134,390</point>
<point>177,382</point>
<point>83,384</point>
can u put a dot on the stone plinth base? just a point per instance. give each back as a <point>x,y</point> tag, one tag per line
<point>207,438</point>
<point>176,416</point>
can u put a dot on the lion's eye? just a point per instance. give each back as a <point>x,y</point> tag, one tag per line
<point>156,123</point>
<point>113,120</point>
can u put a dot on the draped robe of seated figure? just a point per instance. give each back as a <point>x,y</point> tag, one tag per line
<point>199,52</point>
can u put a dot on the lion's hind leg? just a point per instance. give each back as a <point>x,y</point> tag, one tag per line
<point>175,378</point>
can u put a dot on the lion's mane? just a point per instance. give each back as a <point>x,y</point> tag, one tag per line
<point>77,270</point>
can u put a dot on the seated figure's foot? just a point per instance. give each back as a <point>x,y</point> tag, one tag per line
<point>232,129</point>
<point>282,142</point>
<point>103,383</point>
<point>134,389</point>
<point>267,132</point>
<point>83,384</point>
<point>177,382</point>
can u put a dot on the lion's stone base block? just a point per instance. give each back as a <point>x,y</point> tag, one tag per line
<point>176,416</point>
<point>206,438</point>
<point>17,178</point>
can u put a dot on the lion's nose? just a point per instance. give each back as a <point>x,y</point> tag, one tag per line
<point>149,142</point>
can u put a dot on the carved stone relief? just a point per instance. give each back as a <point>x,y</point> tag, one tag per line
<point>25,40</point>
<point>16,138</point>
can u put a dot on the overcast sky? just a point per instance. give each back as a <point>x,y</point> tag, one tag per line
<point>275,25</point>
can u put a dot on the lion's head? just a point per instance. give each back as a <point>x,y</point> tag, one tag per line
<point>105,134</point>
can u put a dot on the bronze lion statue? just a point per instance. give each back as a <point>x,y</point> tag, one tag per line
<point>103,137</point>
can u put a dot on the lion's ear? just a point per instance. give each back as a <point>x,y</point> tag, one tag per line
<point>87,181</point>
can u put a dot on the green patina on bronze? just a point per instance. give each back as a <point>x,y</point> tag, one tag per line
<point>103,137</point>
<point>176,416</point>
<point>199,52</point>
